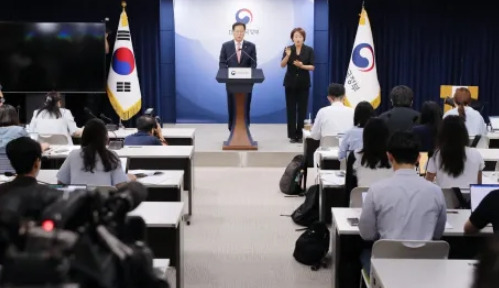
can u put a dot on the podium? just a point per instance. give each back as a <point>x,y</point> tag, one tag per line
<point>240,136</point>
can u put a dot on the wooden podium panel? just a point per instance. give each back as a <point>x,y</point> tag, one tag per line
<point>240,136</point>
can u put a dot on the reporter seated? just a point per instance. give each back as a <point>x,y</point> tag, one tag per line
<point>149,133</point>
<point>486,213</point>
<point>25,155</point>
<point>93,164</point>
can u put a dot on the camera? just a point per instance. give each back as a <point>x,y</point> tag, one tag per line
<point>85,239</point>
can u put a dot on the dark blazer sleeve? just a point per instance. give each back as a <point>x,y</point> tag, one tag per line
<point>253,54</point>
<point>311,57</point>
<point>223,57</point>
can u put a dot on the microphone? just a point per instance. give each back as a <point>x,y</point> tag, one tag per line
<point>230,57</point>
<point>247,54</point>
<point>105,118</point>
<point>89,112</point>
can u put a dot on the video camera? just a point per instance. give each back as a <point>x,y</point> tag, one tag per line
<point>84,239</point>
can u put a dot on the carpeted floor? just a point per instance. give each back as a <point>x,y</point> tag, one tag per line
<point>237,238</point>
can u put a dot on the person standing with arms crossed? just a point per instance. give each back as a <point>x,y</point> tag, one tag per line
<point>299,60</point>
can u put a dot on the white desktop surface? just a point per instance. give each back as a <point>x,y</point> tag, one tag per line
<point>167,132</point>
<point>489,154</point>
<point>417,273</point>
<point>160,214</point>
<point>455,217</point>
<point>330,154</point>
<point>331,178</point>
<point>61,151</point>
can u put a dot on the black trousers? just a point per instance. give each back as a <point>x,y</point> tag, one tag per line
<point>296,110</point>
<point>231,107</point>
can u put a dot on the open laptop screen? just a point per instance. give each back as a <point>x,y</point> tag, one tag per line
<point>478,192</point>
<point>68,188</point>
<point>124,164</point>
<point>494,122</point>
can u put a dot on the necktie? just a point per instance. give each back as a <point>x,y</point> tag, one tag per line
<point>238,52</point>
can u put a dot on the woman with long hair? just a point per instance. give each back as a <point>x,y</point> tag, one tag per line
<point>369,164</point>
<point>352,140</point>
<point>472,119</point>
<point>51,118</point>
<point>426,130</point>
<point>93,163</point>
<point>453,163</point>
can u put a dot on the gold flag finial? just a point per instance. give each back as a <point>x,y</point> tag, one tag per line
<point>123,4</point>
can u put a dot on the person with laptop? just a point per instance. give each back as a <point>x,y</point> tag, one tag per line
<point>147,129</point>
<point>473,119</point>
<point>485,213</point>
<point>25,155</point>
<point>93,164</point>
<point>404,206</point>
<point>454,164</point>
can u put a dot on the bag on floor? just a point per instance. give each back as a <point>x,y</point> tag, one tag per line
<point>291,180</point>
<point>308,212</point>
<point>312,246</point>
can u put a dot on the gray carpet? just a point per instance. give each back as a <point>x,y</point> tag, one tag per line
<point>238,239</point>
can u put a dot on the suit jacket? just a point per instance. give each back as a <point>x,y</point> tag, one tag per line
<point>296,77</point>
<point>228,55</point>
<point>400,118</point>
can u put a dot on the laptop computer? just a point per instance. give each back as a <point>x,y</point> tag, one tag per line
<point>69,188</point>
<point>124,164</point>
<point>494,122</point>
<point>479,191</point>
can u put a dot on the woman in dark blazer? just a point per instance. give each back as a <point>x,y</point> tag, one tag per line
<point>299,59</point>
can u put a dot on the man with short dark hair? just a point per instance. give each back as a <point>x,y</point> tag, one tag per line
<point>25,155</point>
<point>401,117</point>
<point>404,206</point>
<point>334,119</point>
<point>238,53</point>
<point>149,133</point>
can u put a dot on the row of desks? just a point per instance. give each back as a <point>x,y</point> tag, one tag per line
<point>346,245</point>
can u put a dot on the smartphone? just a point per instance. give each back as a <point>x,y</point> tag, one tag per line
<point>353,221</point>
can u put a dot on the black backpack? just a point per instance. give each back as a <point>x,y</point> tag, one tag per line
<point>312,246</point>
<point>291,180</point>
<point>308,212</point>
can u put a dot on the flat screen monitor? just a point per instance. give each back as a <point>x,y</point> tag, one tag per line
<point>479,191</point>
<point>40,57</point>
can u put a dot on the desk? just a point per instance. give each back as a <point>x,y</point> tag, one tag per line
<point>166,187</point>
<point>416,273</point>
<point>347,243</point>
<point>140,157</point>
<point>165,234</point>
<point>331,193</point>
<point>174,136</point>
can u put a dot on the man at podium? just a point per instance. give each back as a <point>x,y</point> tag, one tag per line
<point>238,53</point>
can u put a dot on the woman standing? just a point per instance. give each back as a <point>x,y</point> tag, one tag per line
<point>299,59</point>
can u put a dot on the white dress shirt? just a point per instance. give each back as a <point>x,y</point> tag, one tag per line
<point>46,123</point>
<point>474,121</point>
<point>332,120</point>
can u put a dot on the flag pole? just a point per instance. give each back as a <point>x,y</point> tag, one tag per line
<point>123,4</point>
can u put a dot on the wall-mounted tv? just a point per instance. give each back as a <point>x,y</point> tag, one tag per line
<point>41,57</point>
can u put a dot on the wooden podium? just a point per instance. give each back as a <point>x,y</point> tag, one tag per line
<point>240,136</point>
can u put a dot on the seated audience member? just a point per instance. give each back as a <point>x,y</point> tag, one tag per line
<point>25,155</point>
<point>147,127</point>
<point>10,130</point>
<point>486,213</point>
<point>352,140</point>
<point>404,206</point>
<point>334,119</point>
<point>93,164</point>
<point>401,117</point>
<point>454,164</point>
<point>369,164</point>
<point>472,119</point>
<point>52,119</point>
<point>486,274</point>
<point>427,128</point>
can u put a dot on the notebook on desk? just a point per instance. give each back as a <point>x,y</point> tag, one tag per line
<point>479,191</point>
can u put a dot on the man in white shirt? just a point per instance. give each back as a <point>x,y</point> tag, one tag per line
<point>336,118</point>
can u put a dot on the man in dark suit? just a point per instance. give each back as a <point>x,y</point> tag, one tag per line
<point>238,53</point>
<point>401,117</point>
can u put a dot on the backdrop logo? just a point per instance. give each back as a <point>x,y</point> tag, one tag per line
<point>244,16</point>
<point>364,64</point>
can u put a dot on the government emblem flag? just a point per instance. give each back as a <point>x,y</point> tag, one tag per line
<point>361,83</point>
<point>123,88</point>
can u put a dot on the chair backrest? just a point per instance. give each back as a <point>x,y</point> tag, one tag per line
<point>410,249</point>
<point>356,197</point>
<point>329,141</point>
<point>451,199</point>
<point>53,139</point>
